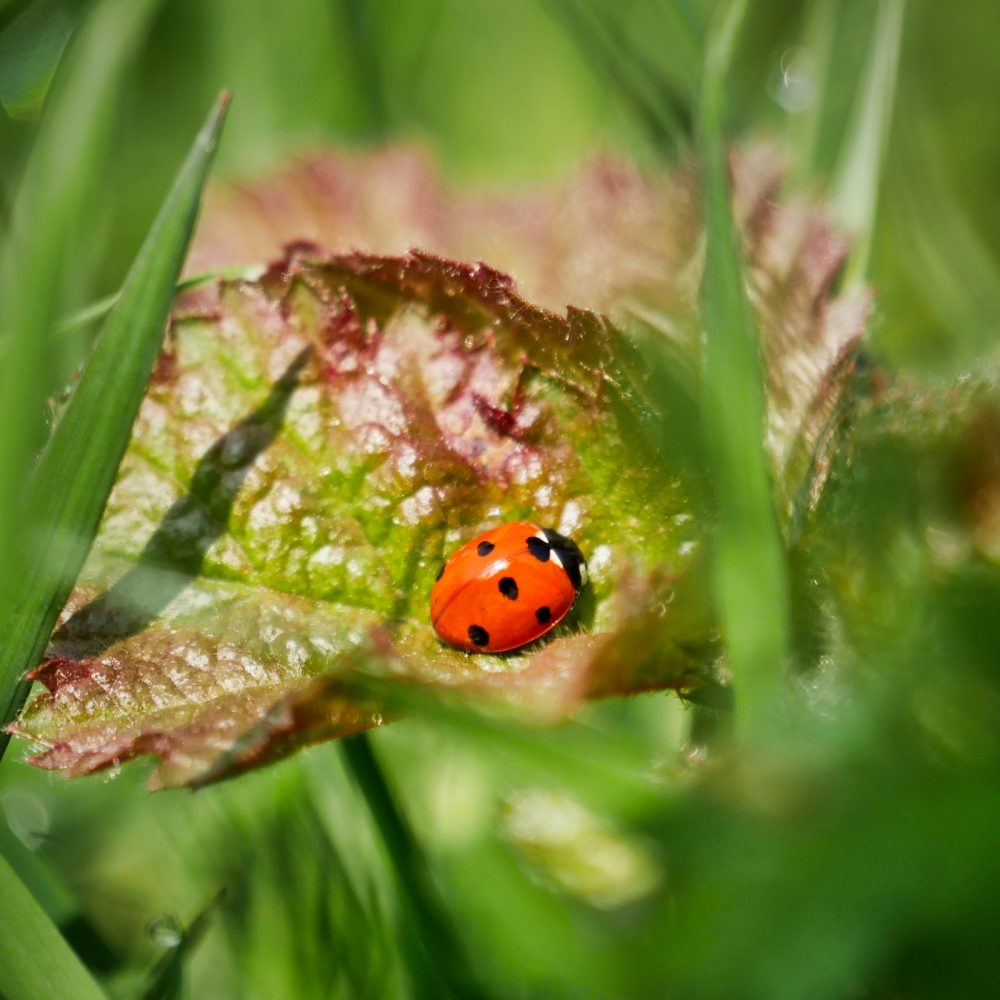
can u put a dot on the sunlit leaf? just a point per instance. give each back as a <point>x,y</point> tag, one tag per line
<point>312,447</point>
<point>317,441</point>
<point>615,240</point>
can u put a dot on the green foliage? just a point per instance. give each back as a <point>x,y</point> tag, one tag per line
<point>69,485</point>
<point>843,845</point>
<point>236,590</point>
<point>859,174</point>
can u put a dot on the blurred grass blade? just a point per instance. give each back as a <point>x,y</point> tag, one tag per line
<point>30,49</point>
<point>82,318</point>
<point>167,978</point>
<point>856,184</point>
<point>78,466</point>
<point>36,875</point>
<point>817,49</point>
<point>949,262</point>
<point>435,928</point>
<point>750,585</point>
<point>35,961</point>
<point>359,16</point>
<point>664,113</point>
<point>37,251</point>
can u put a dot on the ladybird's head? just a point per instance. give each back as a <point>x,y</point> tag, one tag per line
<point>566,553</point>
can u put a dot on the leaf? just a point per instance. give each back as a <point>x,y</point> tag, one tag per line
<point>261,577</point>
<point>614,240</point>
<point>49,211</point>
<point>311,448</point>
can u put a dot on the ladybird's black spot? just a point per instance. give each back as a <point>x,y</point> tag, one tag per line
<point>479,635</point>
<point>440,574</point>
<point>508,587</point>
<point>543,614</point>
<point>485,548</point>
<point>539,548</point>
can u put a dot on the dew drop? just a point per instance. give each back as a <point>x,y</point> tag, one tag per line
<point>164,932</point>
<point>793,87</point>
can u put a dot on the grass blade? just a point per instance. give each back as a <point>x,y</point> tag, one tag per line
<point>37,251</point>
<point>663,112</point>
<point>78,466</point>
<point>35,961</point>
<point>435,928</point>
<point>856,185</point>
<point>30,49</point>
<point>751,589</point>
<point>84,317</point>
<point>818,50</point>
<point>166,980</point>
<point>948,260</point>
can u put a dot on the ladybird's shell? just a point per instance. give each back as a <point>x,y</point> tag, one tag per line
<point>506,588</point>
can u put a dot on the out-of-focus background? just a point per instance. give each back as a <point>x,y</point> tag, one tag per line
<point>585,861</point>
<point>505,95</point>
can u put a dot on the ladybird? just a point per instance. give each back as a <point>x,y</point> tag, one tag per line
<point>506,588</point>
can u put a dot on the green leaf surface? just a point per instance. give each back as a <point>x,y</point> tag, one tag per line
<point>315,442</point>
<point>47,966</point>
<point>614,240</point>
<point>312,447</point>
<point>70,485</point>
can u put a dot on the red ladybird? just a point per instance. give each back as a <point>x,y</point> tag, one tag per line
<point>506,588</point>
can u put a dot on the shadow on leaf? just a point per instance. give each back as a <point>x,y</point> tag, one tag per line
<point>174,554</point>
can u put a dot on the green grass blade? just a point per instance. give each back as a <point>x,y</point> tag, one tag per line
<point>750,585</point>
<point>663,112</point>
<point>435,928</point>
<point>856,185</point>
<point>89,314</point>
<point>37,251</point>
<point>818,45</point>
<point>35,961</point>
<point>30,49</point>
<point>36,876</point>
<point>950,264</point>
<point>78,466</point>
<point>166,981</point>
